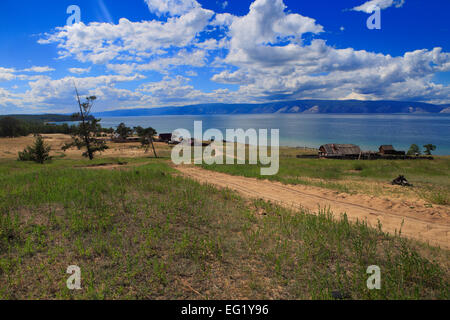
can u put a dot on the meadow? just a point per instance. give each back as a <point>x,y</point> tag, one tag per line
<point>430,178</point>
<point>143,231</point>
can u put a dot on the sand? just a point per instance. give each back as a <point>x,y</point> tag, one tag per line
<point>10,147</point>
<point>427,224</point>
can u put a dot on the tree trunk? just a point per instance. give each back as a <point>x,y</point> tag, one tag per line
<point>153,146</point>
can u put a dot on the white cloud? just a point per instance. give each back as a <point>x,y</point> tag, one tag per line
<point>39,69</point>
<point>223,19</point>
<point>177,91</point>
<point>368,7</point>
<point>260,36</point>
<point>163,65</point>
<point>7,74</point>
<point>100,43</point>
<point>48,94</point>
<point>238,77</point>
<point>191,73</point>
<point>273,62</point>
<point>79,70</point>
<point>264,52</point>
<point>172,7</point>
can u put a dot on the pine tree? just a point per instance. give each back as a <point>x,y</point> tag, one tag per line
<point>85,135</point>
<point>39,152</point>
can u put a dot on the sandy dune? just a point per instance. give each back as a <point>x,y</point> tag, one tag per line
<point>9,147</point>
<point>430,225</point>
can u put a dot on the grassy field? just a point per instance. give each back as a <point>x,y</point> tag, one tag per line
<point>431,178</point>
<point>144,232</point>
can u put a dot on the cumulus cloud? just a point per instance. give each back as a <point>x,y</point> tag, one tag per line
<point>238,77</point>
<point>101,43</point>
<point>79,70</point>
<point>274,62</point>
<point>270,53</point>
<point>178,91</point>
<point>7,74</point>
<point>368,7</point>
<point>171,7</point>
<point>39,69</point>
<point>163,65</point>
<point>48,94</point>
<point>267,29</point>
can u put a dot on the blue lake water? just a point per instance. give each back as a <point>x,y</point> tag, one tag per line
<point>313,130</point>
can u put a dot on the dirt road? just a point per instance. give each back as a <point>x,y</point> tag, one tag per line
<point>431,225</point>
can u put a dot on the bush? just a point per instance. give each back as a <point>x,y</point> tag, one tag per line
<point>358,167</point>
<point>413,150</point>
<point>123,131</point>
<point>428,148</point>
<point>39,152</point>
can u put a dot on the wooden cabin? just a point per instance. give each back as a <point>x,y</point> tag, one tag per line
<point>334,150</point>
<point>165,137</point>
<point>390,150</point>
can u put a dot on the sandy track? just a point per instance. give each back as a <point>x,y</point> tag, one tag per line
<point>430,225</point>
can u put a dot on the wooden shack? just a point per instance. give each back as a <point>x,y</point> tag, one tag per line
<point>334,150</point>
<point>390,150</point>
<point>165,137</point>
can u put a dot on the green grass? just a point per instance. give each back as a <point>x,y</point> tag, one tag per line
<point>431,179</point>
<point>144,233</point>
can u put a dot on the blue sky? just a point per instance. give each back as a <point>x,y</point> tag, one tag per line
<point>152,53</point>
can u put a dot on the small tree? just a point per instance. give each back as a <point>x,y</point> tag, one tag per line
<point>414,150</point>
<point>123,131</point>
<point>428,148</point>
<point>146,136</point>
<point>85,134</point>
<point>39,152</point>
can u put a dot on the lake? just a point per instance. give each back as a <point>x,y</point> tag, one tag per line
<point>313,130</point>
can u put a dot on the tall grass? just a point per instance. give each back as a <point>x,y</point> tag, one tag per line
<point>144,233</point>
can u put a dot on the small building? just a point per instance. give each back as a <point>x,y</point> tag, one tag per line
<point>334,150</point>
<point>165,137</point>
<point>390,150</point>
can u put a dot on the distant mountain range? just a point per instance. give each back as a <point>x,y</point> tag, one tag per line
<point>298,106</point>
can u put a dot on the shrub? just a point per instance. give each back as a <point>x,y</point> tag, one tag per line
<point>429,148</point>
<point>414,150</point>
<point>39,152</point>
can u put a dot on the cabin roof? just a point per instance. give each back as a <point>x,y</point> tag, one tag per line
<point>340,149</point>
<point>387,147</point>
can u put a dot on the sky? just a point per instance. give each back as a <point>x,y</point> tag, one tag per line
<point>154,53</point>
